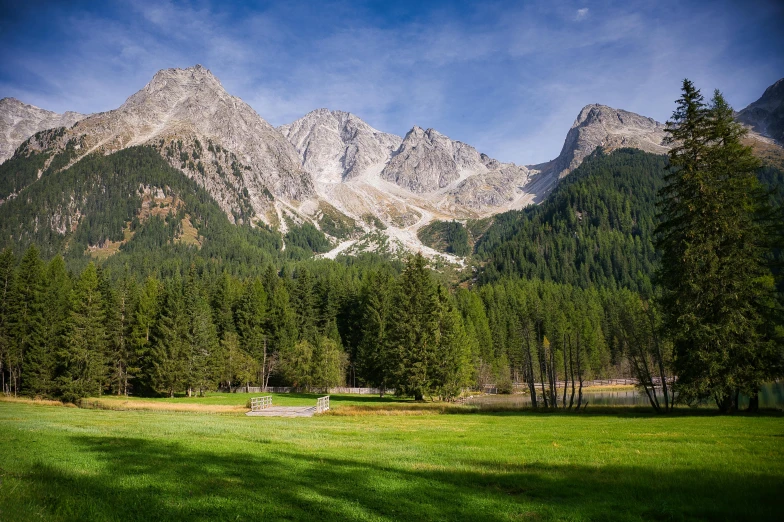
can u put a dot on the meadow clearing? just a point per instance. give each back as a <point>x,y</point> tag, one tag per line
<point>373,459</point>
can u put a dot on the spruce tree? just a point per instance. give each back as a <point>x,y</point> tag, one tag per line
<point>371,361</point>
<point>414,332</point>
<point>7,271</point>
<point>170,355</point>
<point>143,322</point>
<point>27,315</point>
<point>86,366</point>
<point>202,338</point>
<point>251,318</point>
<point>304,305</point>
<point>717,287</point>
<point>42,358</point>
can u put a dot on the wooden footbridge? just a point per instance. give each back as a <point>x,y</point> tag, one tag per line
<point>262,407</point>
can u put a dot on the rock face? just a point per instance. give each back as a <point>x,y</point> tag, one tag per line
<point>499,186</point>
<point>766,115</point>
<point>599,125</point>
<point>427,161</point>
<point>19,121</point>
<point>215,138</point>
<point>335,146</point>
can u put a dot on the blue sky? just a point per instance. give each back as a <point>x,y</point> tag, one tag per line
<point>506,77</point>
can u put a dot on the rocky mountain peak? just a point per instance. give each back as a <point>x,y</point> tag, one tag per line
<point>19,120</point>
<point>428,161</point>
<point>335,146</point>
<point>766,115</point>
<point>206,132</point>
<point>602,126</point>
<point>166,82</point>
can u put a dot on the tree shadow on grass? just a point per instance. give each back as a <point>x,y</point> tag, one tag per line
<point>142,479</point>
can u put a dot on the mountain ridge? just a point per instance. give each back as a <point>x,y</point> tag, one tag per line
<point>20,120</point>
<point>330,167</point>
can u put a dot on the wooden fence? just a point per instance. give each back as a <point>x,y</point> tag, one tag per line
<point>289,389</point>
<point>259,403</point>
<point>322,404</point>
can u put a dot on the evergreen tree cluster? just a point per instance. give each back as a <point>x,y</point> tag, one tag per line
<point>320,325</point>
<point>569,290</point>
<point>596,228</point>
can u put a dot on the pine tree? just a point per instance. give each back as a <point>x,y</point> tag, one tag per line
<point>414,332</point>
<point>718,289</point>
<point>202,338</point>
<point>251,320</point>
<point>457,351</point>
<point>304,304</point>
<point>371,363</point>
<point>41,359</point>
<point>144,319</point>
<point>170,355</point>
<point>86,365</point>
<point>27,315</point>
<point>7,272</point>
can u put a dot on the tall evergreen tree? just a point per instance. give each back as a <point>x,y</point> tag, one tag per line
<point>86,366</point>
<point>144,319</point>
<point>718,289</point>
<point>202,338</point>
<point>170,355</point>
<point>42,357</point>
<point>414,332</point>
<point>251,318</point>
<point>303,301</point>
<point>7,272</point>
<point>27,314</point>
<point>371,359</point>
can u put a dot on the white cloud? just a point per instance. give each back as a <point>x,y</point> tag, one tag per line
<point>581,13</point>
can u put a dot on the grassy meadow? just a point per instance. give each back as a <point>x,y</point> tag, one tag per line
<point>373,460</point>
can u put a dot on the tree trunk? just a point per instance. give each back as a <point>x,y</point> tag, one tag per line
<point>530,369</point>
<point>571,371</point>
<point>264,367</point>
<point>566,372</point>
<point>579,374</point>
<point>660,361</point>
<point>753,402</point>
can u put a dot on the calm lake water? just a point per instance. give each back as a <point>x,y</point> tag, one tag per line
<point>771,396</point>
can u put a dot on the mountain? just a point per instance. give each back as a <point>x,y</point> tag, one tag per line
<point>328,172</point>
<point>427,161</point>
<point>335,146</point>
<point>609,128</point>
<point>215,138</point>
<point>766,115</point>
<point>19,121</point>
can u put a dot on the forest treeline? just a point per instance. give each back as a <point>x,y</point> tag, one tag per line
<point>321,325</point>
<point>564,291</point>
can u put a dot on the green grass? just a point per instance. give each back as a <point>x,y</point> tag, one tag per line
<point>278,399</point>
<point>74,464</point>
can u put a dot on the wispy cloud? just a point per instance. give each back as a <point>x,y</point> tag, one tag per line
<point>508,77</point>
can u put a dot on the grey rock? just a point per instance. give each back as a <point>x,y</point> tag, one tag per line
<point>766,115</point>
<point>427,161</point>
<point>602,126</point>
<point>19,121</point>
<point>189,109</point>
<point>335,146</point>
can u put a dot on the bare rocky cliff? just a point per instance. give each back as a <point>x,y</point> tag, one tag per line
<point>602,126</point>
<point>215,138</point>
<point>766,115</point>
<point>335,146</point>
<point>19,121</point>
